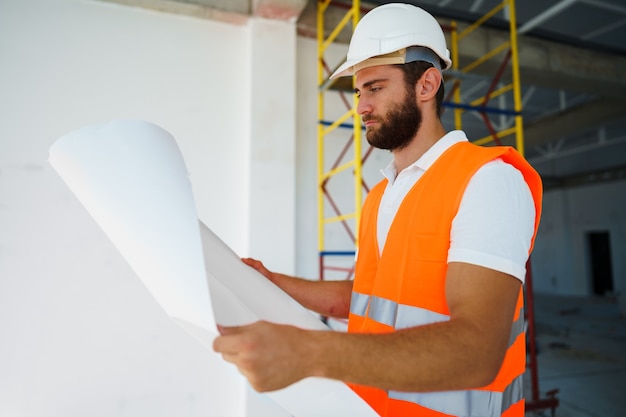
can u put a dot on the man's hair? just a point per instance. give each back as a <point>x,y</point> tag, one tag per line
<point>413,71</point>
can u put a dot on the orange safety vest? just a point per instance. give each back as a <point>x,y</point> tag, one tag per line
<point>405,287</point>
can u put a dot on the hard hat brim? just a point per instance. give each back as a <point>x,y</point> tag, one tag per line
<point>345,69</point>
<point>402,56</point>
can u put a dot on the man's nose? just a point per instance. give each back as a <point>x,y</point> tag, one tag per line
<point>363,106</point>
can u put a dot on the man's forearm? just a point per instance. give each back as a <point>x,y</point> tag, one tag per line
<point>437,357</point>
<point>328,298</point>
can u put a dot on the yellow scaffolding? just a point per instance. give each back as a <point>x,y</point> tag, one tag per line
<point>327,125</point>
<point>508,53</point>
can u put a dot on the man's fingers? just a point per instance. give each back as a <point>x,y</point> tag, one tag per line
<point>228,330</point>
<point>256,264</point>
<point>251,262</point>
<point>234,339</point>
<point>232,358</point>
<point>228,342</point>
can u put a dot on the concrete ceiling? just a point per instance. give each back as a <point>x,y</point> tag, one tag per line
<point>572,66</point>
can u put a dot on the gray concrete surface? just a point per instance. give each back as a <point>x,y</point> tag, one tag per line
<point>581,352</point>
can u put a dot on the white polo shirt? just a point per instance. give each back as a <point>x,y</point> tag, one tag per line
<point>495,221</point>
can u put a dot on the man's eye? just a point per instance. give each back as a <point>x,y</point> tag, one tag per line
<point>374,89</point>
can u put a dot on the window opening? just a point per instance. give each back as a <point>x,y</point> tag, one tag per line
<point>599,244</point>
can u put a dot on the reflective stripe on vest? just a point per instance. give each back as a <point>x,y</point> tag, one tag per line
<point>390,313</point>
<point>467,403</point>
<point>400,316</point>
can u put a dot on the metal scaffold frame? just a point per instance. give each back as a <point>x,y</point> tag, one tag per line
<point>348,122</point>
<point>510,60</point>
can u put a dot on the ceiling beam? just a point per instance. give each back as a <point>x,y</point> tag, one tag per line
<point>545,15</point>
<point>551,65</point>
<point>287,10</point>
<point>236,12</point>
<point>585,178</point>
<point>573,120</point>
<point>230,11</point>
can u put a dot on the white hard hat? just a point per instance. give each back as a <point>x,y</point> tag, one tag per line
<point>387,35</point>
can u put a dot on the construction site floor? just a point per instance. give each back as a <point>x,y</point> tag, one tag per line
<point>581,344</point>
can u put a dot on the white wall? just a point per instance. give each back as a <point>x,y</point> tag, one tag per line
<point>271,162</point>
<point>306,160</point>
<point>79,334</point>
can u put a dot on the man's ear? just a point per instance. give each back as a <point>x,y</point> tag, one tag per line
<point>428,84</point>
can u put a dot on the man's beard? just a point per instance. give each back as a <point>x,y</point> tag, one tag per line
<point>397,128</point>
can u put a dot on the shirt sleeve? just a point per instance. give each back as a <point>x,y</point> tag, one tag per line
<point>495,222</point>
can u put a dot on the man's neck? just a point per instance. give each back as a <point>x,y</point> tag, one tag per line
<point>425,138</point>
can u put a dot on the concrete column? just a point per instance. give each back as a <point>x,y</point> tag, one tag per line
<point>271,160</point>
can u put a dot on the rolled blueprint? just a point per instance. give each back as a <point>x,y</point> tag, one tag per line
<point>132,179</point>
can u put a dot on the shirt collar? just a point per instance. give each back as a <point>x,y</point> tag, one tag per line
<point>429,157</point>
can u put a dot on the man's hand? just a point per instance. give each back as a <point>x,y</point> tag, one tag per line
<point>271,356</point>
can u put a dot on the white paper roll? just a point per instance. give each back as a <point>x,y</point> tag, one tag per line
<point>131,177</point>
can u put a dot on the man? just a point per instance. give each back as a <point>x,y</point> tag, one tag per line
<point>435,311</point>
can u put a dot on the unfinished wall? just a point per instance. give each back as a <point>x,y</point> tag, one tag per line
<point>561,259</point>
